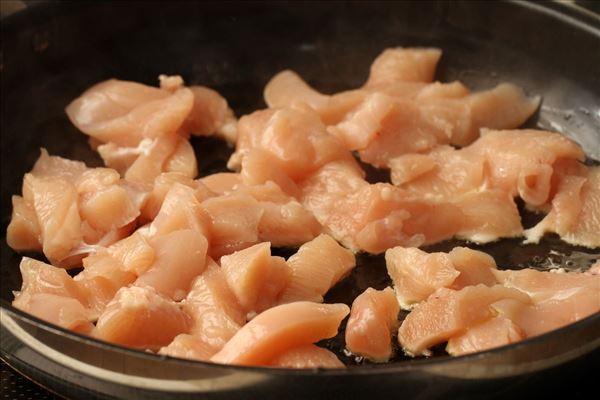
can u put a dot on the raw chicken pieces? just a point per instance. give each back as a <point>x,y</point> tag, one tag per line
<point>50,294</point>
<point>140,317</point>
<point>180,256</point>
<point>215,312</point>
<point>462,299</point>
<point>315,268</point>
<point>417,275</point>
<point>575,211</point>
<point>373,319</point>
<point>448,312</point>
<point>307,356</point>
<point>190,267</point>
<point>400,110</point>
<point>255,277</point>
<point>402,64</point>
<point>67,209</point>
<point>142,131</point>
<point>279,329</point>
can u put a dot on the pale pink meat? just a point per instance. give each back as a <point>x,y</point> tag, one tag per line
<point>170,82</point>
<point>367,122</point>
<point>575,212</point>
<point>435,90</point>
<point>543,286</point>
<point>404,64</point>
<point>180,256</point>
<point>413,167</point>
<point>23,232</point>
<point>545,316</point>
<point>295,136</point>
<point>287,224</point>
<point>152,162</point>
<point>461,178</point>
<point>416,274</point>
<point>106,202</point>
<point>70,303</point>
<point>181,209</point>
<point>485,307</point>
<point>66,312</point>
<point>315,268</point>
<point>235,220</point>
<point>221,182</point>
<point>520,162</point>
<point>89,180</point>
<point>298,184</point>
<point>247,214</point>
<point>383,128</point>
<point>102,265</point>
<point>121,158</point>
<point>279,329</point>
<point>380,216</point>
<point>342,202</point>
<point>363,216</point>
<point>39,277</point>
<point>142,131</point>
<point>398,112</point>
<point>503,107</point>
<point>495,332</point>
<point>142,318</point>
<point>163,183</point>
<point>134,253</point>
<point>214,309</point>
<point>67,207</point>
<point>284,221</point>
<point>345,204</point>
<point>210,114</point>
<point>55,205</point>
<point>188,346</point>
<point>486,217</point>
<point>124,112</point>
<point>182,160</point>
<point>447,313</point>
<point>109,269</point>
<point>255,277</point>
<point>47,165</point>
<point>307,356</point>
<point>100,288</point>
<point>443,172</point>
<point>475,267</point>
<point>260,166</point>
<point>144,162</point>
<point>267,192</point>
<point>287,88</point>
<point>373,318</point>
<point>322,190</point>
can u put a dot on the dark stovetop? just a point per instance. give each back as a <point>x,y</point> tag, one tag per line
<point>15,386</point>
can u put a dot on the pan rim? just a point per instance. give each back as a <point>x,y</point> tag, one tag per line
<point>383,368</point>
<point>591,23</point>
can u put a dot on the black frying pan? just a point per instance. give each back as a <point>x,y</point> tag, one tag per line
<point>52,52</point>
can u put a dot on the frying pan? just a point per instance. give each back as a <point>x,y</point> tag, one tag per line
<point>51,52</point>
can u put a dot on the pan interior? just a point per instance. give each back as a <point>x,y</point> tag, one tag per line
<point>52,53</point>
